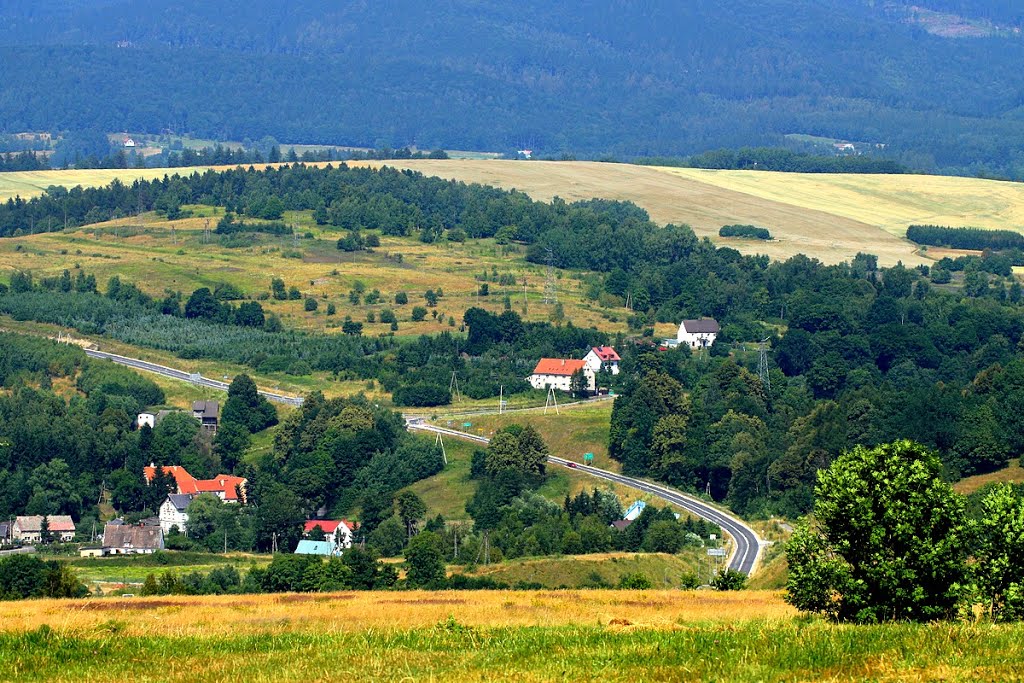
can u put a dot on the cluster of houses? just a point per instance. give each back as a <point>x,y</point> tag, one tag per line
<point>174,510</point>
<point>557,373</point>
<point>206,412</point>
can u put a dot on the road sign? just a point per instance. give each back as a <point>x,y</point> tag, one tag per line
<point>588,457</point>
<point>467,424</point>
<point>716,552</point>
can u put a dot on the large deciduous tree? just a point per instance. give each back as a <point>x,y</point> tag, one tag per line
<point>887,541</point>
<point>999,554</point>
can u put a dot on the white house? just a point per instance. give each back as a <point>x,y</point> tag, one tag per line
<point>557,373</point>
<point>602,358</point>
<point>29,529</point>
<point>698,334</point>
<point>174,512</point>
<point>129,143</point>
<point>146,419</point>
<point>337,532</point>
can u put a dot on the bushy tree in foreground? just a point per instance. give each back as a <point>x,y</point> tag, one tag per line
<point>887,541</point>
<point>999,554</point>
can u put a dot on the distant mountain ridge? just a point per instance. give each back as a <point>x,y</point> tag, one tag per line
<point>615,77</point>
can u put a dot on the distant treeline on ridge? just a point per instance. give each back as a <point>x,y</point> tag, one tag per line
<point>778,159</point>
<point>964,238</point>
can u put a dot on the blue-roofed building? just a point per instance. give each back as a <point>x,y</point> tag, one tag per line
<point>316,548</point>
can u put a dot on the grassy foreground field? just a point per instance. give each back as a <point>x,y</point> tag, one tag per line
<point>527,636</point>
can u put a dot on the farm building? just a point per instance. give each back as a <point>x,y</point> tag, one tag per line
<point>29,529</point>
<point>556,373</point>
<point>325,548</point>
<point>123,539</point>
<point>698,334</point>
<point>207,412</point>
<point>603,358</point>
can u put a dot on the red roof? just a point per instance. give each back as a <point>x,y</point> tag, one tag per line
<point>558,366</point>
<point>226,484</point>
<point>328,526</point>
<point>606,353</point>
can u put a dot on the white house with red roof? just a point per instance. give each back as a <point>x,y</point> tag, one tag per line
<point>557,373</point>
<point>603,358</point>
<point>337,532</point>
<point>227,487</point>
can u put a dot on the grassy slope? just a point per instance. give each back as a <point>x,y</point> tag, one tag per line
<point>529,636</point>
<point>828,216</point>
<point>664,571</point>
<point>1013,474</point>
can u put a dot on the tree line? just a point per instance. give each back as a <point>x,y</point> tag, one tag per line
<point>965,238</point>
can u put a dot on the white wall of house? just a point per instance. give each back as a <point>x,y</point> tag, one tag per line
<point>596,364</point>
<point>170,516</point>
<point>696,340</point>
<point>147,419</point>
<point>561,382</point>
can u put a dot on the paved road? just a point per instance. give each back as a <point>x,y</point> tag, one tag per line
<point>193,378</point>
<point>746,543</point>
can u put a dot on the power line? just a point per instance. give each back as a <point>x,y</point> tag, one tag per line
<point>762,366</point>
<point>550,283</point>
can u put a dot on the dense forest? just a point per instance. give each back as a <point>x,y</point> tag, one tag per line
<point>621,79</point>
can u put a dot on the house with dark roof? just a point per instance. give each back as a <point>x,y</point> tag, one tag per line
<point>556,373</point>
<point>122,539</point>
<point>603,358</point>
<point>698,334</point>
<point>5,533</point>
<point>174,512</point>
<point>207,412</point>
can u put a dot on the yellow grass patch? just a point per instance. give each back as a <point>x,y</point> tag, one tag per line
<point>1013,474</point>
<point>209,616</point>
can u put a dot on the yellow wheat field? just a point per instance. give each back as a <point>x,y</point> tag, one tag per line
<point>359,611</point>
<point>827,216</point>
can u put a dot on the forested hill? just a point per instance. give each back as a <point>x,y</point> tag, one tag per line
<point>616,77</point>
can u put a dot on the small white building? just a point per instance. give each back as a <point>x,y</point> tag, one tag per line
<point>602,358</point>
<point>174,512</point>
<point>557,373</point>
<point>698,334</point>
<point>129,143</point>
<point>146,420</point>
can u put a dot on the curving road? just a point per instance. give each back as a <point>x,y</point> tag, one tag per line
<point>746,543</point>
<point>193,378</point>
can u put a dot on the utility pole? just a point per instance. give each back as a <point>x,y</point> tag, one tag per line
<point>550,285</point>
<point>453,387</point>
<point>501,399</point>
<point>551,401</point>
<point>440,442</point>
<point>762,366</point>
